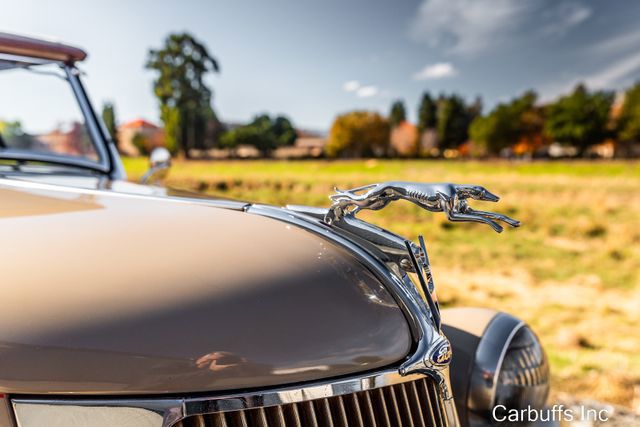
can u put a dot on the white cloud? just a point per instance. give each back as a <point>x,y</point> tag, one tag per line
<point>621,42</point>
<point>564,17</point>
<point>360,90</point>
<point>614,73</point>
<point>471,26</point>
<point>465,26</point>
<point>367,91</point>
<point>351,86</point>
<point>436,71</point>
<point>623,66</point>
<point>614,76</point>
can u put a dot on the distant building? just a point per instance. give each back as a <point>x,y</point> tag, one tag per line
<point>147,134</point>
<point>71,140</point>
<point>308,144</point>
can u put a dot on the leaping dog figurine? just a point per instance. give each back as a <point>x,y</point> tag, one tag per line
<point>435,197</point>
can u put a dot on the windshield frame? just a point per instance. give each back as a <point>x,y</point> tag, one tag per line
<point>108,160</point>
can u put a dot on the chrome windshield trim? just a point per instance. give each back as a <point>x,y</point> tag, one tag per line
<point>105,163</point>
<point>27,60</point>
<point>172,410</point>
<point>99,141</point>
<point>56,159</point>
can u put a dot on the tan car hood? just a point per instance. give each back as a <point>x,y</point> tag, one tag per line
<point>110,293</point>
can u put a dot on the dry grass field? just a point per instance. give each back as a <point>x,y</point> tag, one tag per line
<point>572,270</point>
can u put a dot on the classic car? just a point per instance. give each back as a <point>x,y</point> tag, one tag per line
<point>126,304</point>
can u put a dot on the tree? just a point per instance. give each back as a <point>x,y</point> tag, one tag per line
<point>284,131</point>
<point>427,120</point>
<point>140,142</point>
<point>453,120</point>
<point>185,99</point>
<point>110,122</point>
<point>519,121</point>
<point>427,113</point>
<point>12,136</point>
<point>398,114</point>
<point>10,129</point>
<point>264,133</point>
<point>475,109</point>
<point>359,134</point>
<point>579,119</point>
<point>628,125</point>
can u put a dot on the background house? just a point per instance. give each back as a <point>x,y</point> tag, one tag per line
<point>139,137</point>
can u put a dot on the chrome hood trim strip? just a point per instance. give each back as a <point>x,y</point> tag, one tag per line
<point>40,186</point>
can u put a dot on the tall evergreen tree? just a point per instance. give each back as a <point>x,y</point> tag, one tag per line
<point>628,126</point>
<point>453,122</point>
<point>398,114</point>
<point>427,111</point>
<point>185,100</point>
<point>110,121</point>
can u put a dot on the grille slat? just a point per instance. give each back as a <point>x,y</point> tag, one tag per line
<point>433,397</point>
<point>381,407</point>
<point>403,403</point>
<point>239,419</point>
<point>217,420</point>
<point>292,415</point>
<point>423,392</point>
<point>354,411</point>
<point>276,416</point>
<point>367,407</point>
<point>393,404</point>
<point>414,403</point>
<point>323,409</point>
<point>339,413</point>
<point>259,418</point>
<point>309,412</point>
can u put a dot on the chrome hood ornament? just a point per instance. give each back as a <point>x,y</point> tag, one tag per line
<point>434,197</point>
<point>432,353</point>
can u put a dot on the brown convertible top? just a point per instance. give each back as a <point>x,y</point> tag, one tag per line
<point>38,48</point>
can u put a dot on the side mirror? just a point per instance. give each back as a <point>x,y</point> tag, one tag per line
<point>159,164</point>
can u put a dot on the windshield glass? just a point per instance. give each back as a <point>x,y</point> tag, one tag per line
<point>39,115</point>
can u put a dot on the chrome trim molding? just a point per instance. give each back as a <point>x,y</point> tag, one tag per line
<point>30,185</point>
<point>173,410</point>
<point>105,163</point>
<point>427,337</point>
<point>28,59</point>
<point>389,247</point>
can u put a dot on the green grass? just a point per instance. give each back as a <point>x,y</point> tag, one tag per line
<point>572,270</point>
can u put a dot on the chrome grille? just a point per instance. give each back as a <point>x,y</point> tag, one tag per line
<point>413,403</point>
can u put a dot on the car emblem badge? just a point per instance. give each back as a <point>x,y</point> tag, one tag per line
<point>441,355</point>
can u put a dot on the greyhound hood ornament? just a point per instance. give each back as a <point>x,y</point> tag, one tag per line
<point>452,199</point>
<point>433,352</point>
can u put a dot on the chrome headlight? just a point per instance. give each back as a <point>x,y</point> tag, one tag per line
<point>510,370</point>
<point>498,363</point>
<point>524,375</point>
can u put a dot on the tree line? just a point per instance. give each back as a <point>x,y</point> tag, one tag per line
<point>578,120</point>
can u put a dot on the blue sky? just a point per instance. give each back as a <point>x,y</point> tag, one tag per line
<point>312,60</point>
